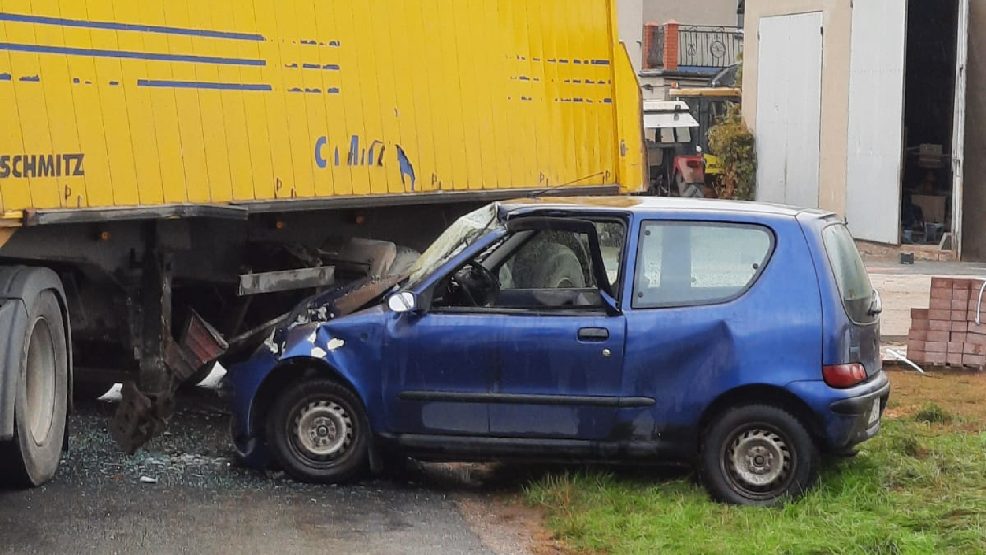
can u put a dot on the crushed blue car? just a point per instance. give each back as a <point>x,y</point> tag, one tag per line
<point>739,338</point>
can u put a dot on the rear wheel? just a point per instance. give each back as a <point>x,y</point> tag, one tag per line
<point>758,455</point>
<point>41,402</point>
<point>680,185</point>
<point>318,431</point>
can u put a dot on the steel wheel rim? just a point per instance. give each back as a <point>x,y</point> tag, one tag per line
<point>758,462</point>
<point>322,431</point>
<point>39,382</point>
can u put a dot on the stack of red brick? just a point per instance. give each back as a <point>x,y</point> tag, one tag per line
<point>947,334</point>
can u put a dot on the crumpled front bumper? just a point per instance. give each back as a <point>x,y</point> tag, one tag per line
<point>241,387</point>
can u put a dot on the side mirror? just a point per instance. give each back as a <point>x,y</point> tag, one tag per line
<point>876,305</point>
<point>401,302</point>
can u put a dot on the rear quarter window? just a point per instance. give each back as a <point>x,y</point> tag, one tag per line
<point>850,273</point>
<point>697,263</point>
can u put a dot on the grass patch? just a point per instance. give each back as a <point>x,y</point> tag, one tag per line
<point>932,413</point>
<point>919,487</point>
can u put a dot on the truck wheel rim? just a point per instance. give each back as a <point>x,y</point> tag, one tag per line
<point>39,382</point>
<point>758,463</point>
<point>323,430</point>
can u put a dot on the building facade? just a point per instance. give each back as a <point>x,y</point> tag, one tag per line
<point>680,44</point>
<point>872,109</point>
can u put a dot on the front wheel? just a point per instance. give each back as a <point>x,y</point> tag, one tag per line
<point>758,455</point>
<point>318,431</point>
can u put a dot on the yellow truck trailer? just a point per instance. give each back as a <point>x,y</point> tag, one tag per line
<point>174,174</point>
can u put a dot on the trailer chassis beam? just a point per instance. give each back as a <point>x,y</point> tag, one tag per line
<point>165,364</point>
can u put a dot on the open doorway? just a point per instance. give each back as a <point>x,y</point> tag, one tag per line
<point>929,108</point>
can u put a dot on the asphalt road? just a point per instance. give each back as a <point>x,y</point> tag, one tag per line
<point>184,493</point>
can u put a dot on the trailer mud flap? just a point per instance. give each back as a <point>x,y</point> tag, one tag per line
<point>143,415</point>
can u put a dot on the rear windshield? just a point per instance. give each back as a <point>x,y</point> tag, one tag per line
<point>850,274</point>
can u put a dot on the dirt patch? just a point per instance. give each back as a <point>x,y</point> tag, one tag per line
<point>962,394</point>
<point>508,526</point>
<point>487,497</point>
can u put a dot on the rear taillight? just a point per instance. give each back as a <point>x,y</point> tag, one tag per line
<point>842,376</point>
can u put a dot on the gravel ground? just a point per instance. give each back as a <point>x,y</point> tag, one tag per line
<point>184,493</point>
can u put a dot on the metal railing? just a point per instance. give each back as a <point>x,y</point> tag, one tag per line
<point>712,47</point>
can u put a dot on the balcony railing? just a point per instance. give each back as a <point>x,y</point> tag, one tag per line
<point>672,46</point>
<point>713,47</point>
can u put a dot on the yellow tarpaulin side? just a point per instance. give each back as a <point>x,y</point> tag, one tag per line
<point>120,103</point>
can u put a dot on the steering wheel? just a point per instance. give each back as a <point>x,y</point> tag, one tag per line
<point>480,286</point>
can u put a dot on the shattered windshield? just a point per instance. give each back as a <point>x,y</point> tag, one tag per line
<point>460,234</point>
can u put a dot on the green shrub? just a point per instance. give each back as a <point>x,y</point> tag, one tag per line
<point>732,141</point>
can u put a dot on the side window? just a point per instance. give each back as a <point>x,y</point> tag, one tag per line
<point>554,269</point>
<point>691,263</point>
<point>612,238</point>
<point>548,260</point>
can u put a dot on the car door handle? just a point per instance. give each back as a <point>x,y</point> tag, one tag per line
<point>593,334</point>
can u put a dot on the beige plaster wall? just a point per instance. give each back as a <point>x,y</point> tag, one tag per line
<point>691,12</point>
<point>837,23</point>
<point>631,25</point>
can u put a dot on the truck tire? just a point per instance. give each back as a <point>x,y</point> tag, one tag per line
<point>551,264</point>
<point>318,431</point>
<point>561,270</point>
<point>41,400</point>
<point>758,455</point>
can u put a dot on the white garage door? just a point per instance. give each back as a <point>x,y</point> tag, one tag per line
<point>789,96</point>
<point>876,114</point>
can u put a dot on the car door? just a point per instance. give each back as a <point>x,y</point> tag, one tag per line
<point>439,368</point>
<point>559,373</point>
<point>438,363</point>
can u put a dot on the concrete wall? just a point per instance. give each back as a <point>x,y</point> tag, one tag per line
<point>631,23</point>
<point>658,87</point>
<point>691,12</point>
<point>974,192</point>
<point>837,22</point>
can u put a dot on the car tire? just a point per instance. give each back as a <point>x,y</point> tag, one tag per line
<point>758,455</point>
<point>318,432</point>
<point>31,457</point>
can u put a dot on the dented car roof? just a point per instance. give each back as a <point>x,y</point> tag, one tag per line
<point>519,206</point>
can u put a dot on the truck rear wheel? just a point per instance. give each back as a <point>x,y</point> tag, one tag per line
<point>41,399</point>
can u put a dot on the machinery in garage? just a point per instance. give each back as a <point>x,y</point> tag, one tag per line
<point>674,157</point>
